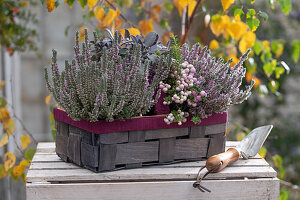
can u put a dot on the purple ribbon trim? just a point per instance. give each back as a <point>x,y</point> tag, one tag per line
<point>138,123</point>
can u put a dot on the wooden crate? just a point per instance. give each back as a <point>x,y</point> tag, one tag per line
<point>51,178</point>
<point>133,149</point>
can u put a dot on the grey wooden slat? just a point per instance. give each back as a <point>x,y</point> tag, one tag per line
<point>166,133</point>
<point>216,144</point>
<point>63,128</point>
<point>113,138</point>
<point>73,129</point>
<point>197,131</point>
<point>215,129</point>
<point>74,145</point>
<point>166,149</point>
<point>107,157</point>
<point>136,136</point>
<point>89,155</point>
<point>191,148</point>
<point>61,144</point>
<point>137,152</point>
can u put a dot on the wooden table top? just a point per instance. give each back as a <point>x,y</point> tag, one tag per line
<point>48,167</point>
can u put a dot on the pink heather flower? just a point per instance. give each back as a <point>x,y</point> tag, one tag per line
<point>199,98</point>
<point>194,93</point>
<point>193,70</point>
<point>203,93</point>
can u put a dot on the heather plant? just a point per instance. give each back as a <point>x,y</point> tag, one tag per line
<point>201,85</point>
<point>115,86</point>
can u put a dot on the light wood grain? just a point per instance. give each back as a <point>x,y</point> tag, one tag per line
<point>174,190</point>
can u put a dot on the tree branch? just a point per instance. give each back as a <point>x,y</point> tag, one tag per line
<point>190,21</point>
<point>121,15</point>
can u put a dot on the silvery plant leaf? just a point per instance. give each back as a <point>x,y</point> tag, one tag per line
<point>252,143</point>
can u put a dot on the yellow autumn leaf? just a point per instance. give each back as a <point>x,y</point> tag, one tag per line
<point>132,31</point>
<point>226,4</point>
<point>2,171</point>
<point>262,152</point>
<point>279,51</point>
<point>18,170</point>
<point>48,99</point>
<point>4,115</point>
<point>9,126</point>
<point>3,140</point>
<point>24,163</point>
<point>25,141</point>
<point>81,37</point>
<point>249,77</point>
<point>237,29</point>
<point>50,5</point>
<point>247,41</point>
<point>9,161</point>
<point>180,4</point>
<point>266,45</point>
<point>146,26</point>
<point>2,83</point>
<point>110,16</point>
<point>99,13</point>
<point>213,44</point>
<point>240,136</point>
<point>235,60</point>
<point>91,4</point>
<point>219,25</point>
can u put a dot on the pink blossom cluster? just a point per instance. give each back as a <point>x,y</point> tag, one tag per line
<point>177,116</point>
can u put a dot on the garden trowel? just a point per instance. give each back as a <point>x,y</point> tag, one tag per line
<point>248,147</point>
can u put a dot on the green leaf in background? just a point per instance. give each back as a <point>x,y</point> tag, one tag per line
<point>266,56</point>
<point>269,68</point>
<point>168,7</point>
<point>163,23</point>
<point>238,12</point>
<point>82,3</point>
<point>277,47</point>
<point>273,86</point>
<point>3,102</point>
<point>295,50</point>
<point>279,71</point>
<point>70,2</point>
<point>43,1</point>
<point>57,2</point>
<point>284,194</point>
<point>253,23</point>
<point>251,13</point>
<point>29,153</point>
<point>271,3</point>
<point>262,152</point>
<point>258,47</point>
<point>277,159</point>
<point>137,9</point>
<point>263,15</point>
<point>286,6</point>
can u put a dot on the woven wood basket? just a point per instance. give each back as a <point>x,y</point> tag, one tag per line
<point>106,146</point>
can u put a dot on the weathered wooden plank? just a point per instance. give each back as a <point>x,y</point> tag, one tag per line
<point>62,128</point>
<point>89,155</point>
<point>166,149</point>
<point>136,136</point>
<point>107,156</point>
<point>176,190</point>
<point>147,173</point>
<point>61,144</point>
<point>216,144</point>
<point>191,148</point>
<point>113,138</point>
<point>74,145</point>
<point>215,129</point>
<point>197,131</point>
<point>137,152</point>
<point>51,162</point>
<point>166,133</point>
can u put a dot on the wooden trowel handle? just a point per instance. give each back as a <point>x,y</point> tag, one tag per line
<point>228,157</point>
